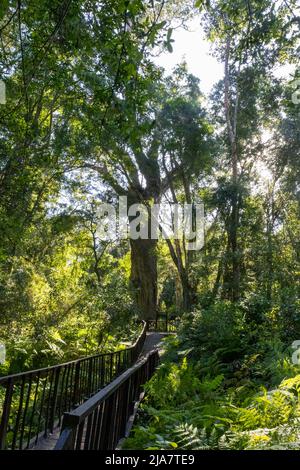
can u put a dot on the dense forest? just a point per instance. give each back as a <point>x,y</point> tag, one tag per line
<point>87,116</point>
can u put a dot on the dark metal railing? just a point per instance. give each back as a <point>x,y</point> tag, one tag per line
<point>101,421</point>
<point>33,402</point>
<point>164,325</point>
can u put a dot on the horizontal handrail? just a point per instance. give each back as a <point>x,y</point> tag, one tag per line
<point>33,402</point>
<point>101,421</point>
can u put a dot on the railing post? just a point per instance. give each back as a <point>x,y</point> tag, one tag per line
<point>119,367</point>
<point>76,396</point>
<point>5,413</point>
<point>67,437</point>
<point>111,367</point>
<point>104,442</point>
<point>90,377</point>
<point>54,401</point>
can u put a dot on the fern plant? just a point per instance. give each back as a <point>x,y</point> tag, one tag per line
<point>189,437</point>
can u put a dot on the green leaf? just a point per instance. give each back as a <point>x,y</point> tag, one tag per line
<point>169,47</point>
<point>173,444</point>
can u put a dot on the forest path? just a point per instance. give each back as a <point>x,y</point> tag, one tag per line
<point>153,341</point>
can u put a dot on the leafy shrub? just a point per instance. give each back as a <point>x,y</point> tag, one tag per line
<point>218,329</point>
<point>244,395</point>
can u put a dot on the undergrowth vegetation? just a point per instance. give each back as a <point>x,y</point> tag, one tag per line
<point>63,312</point>
<point>222,384</point>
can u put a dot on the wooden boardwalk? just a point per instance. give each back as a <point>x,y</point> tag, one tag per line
<point>153,341</point>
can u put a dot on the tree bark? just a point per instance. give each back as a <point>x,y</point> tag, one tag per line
<point>186,292</point>
<point>144,276</point>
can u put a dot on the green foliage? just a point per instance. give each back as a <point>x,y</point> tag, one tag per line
<point>60,311</point>
<point>246,397</point>
<point>90,116</point>
<point>216,330</point>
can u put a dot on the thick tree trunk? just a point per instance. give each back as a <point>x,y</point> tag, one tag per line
<point>186,292</point>
<point>144,276</point>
